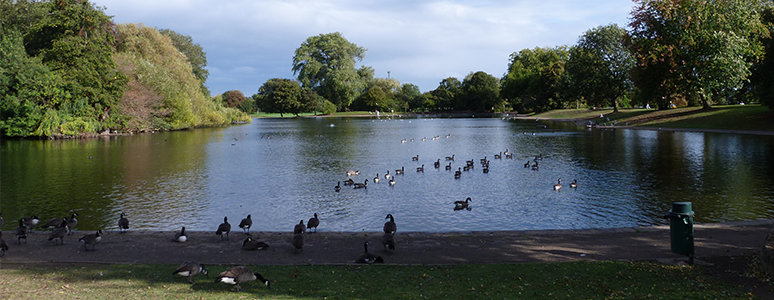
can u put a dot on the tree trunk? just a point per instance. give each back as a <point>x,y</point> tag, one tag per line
<point>615,105</point>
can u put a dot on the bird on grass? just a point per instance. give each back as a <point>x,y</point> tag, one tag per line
<point>313,222</point>
<point>368,258</point>
<point>181,237</point>
<point>240,274</point>
<point>390,226</point>
<point>123,223</point>
<point>462,204</point>
<point>246,223</point>
<point>91,239</point>
<point>224,227</point>
<point>189,270</point>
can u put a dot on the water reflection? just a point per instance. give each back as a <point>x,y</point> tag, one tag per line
<point>282,171</point>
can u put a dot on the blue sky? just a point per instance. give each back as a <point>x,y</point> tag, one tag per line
<point>421,42</point>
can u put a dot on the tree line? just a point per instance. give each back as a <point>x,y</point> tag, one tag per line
<point>677,53</point>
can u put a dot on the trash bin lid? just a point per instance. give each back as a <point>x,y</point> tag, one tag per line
<point>683,208</point>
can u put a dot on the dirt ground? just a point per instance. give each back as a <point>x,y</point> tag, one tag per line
<point>624,244</point>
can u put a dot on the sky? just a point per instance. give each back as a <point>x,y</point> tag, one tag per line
<point>248,42</point>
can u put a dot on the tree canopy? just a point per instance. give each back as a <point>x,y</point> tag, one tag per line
<point>534,79</point>
<point>193,53</point>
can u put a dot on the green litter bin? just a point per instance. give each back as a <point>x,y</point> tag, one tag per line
<point>681,229</point>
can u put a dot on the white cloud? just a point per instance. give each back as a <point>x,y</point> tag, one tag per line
<point>420,42</point>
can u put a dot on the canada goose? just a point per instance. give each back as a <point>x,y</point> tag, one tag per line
<point>181,237</point>
<point>298,242</point>
<point>349,182</point>
<point>466,168</point>
<point>421,169</point>
<point>91,239</point>
<point>361,185</point>
<point>539,156</point>
<point>486,169</point>
<point>415,158</point>
<point>352,172</point>
<point>535,167</point>
<point>368,258</point>
<point>55,223</point>
<point>506,152</point>
<point>458,173</point>
<point>392,181</point>
<point>469,163</point>
<point>390,226</point>
<point>388,241</point>
<point>437,163</point>
<point>313,222</point>
<point>338,186</point>
<point>240,274</point>
<point>574,183</point>
<point>526,164</point>
<point>376,179</point>
<point>403,141</point>
<point>558,185</point>
<point>59,233</point>
<point>300,228</point>
<point>72,222</point>
<point>3,245</point>
<point>498,156</point>
<point>224,227</point>
<point>31,221</point>
<point>387,175</point>
<point>483,160</point>
<point>21,232</point>
<point>450,158</point>
<point>448,167</point>
<point>462,204</point>
<point>401,171</point>
<point>250,244</point>
<point>123,223</point>
<point>189,270</point>
<point>246,223</point>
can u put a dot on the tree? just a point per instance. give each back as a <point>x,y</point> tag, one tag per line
<point>233,98</point>
<point>599,66</point>
<point>193,53</point>
<point>763,72</point>
<point>282,95</point>
<point>445,95</point>
<point>409,98</point>
<point>480,92</point>
<point>694,49</point>
<point>326,64</point>
<point>535,77</point>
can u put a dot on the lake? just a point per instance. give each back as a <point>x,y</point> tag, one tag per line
<point>283,171</point>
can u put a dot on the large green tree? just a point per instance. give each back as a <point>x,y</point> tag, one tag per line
<point>326,64</point>
<point>193,53</point>
<point>694,50</point>
<point>480,92</point>
<point>445,95</point>
<point>535,79</point>
<point>282,96</point>
<point>409,97</point>
<point>599,66</point>
<point>763,72</point>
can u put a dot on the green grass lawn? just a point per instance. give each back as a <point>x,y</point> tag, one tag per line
<point>577,280</point>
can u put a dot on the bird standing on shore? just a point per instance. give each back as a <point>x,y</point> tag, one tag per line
<point>123,223</point>
<point>250,244</point>
<point>21,232</point>
<point>313,223</point>
<point>91,239</point>
<point>390,226</point>
<point>299,228</point>
<point>246,223</point>
<point>224,227</point>
<point>181,236</point>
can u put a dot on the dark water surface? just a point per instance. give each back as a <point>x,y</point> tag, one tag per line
<point>281,171</point>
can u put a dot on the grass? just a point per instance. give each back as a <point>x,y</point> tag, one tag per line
<point>576,280</point>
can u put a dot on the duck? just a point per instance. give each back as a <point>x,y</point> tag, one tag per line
<point>337,188</point>
<point>387,175</point>
<point>401,171</point>
<point>298,242</point>
<point>189,270</point>
<point>459,204</point>
<point>181,237</point>
<point>368,258</point>
<point>415,158</point>
<point>458,173</point>
<point>21,232</point>
<point>91,239</point>
<point>352,172</point>
<point>3,245</point>
<point>300,228</point>
<point>361,185</point>
<point>388,241</point>
<point>123,223</point>
<point>240,274</point>
<point>349,182</point>
<point>250,244</point>
<point>31,221</point>
<point>313,222</point>
<point>574,183</point>
<point>450,158</point>
<point>392,181</point>
<point>558,185</point>
<point>448,167</point>
<point>246,223</point>
<point>421,169</point>
<point>390,226</point>
<point>59,233</point>
<point>437,163</point>
<point>224,227</point>
<point>376,179</point>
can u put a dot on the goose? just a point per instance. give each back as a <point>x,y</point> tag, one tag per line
<point>462,204</point>
<point>2,221</point>
<point>390,226</point>
<point>458,173</point>
<point>509,156</point>
<point>437,163</point>
<point>349,182</point>
<point>353,173</point>
<point>361,185</point>
<point>574,183</point>
<point>424,139</point>
<point>298,242</point>
<point>526,164</point>
<point>224,227</point>
<point>250,244</point>
<point>403,141</point>
<point>59,233</point>
<point>313,222</point>
<point>376,179</point>
<point>506,152</point>
<point>498,156</point>
<point>31,221</point>
<point>388,241</point>
<point>55,223</point>
<point>181,237</point>
<point>3,245</point>
<point>338,186</point>
<point>450,158</point>
<point>483,160</point>
<point>535,167</point>
<point>448,167</point>
<point>415,158</point>
<point>72,222</point>
<point>387,175</point>
<point>246,223</point>
<point>448,135</point>
<point>91,239</point>
<point>21,232</point>
<point>189,270</point>
<point>392,181</point>
<point>421,169</point>
<point>240,274</point>
<point>401,171</point>
<point>123,223</point>
<point>368,258</point>
<point>469,163</point>
<point>558,185</point>
<point>300,228</point>
<point>486,169</point>
<point>466,168</point>
<point>539,156</point>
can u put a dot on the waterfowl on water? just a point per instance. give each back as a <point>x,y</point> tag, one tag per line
<point>458,173</point>
<point>361,185</point>
<point>338,186</point>
<point>574,183</point>
<point>558,185</point>
<point>349,182</point>
<point>313,223</point>
<point>421,169</point>
<point>181,237</point>
<point>437,163</point>
<point>448,167</point>
<point>123,223</point>
<point>376,179</point>
<point>498,156</point>
<point>486,169</point>
<point>299,228</point>
<point>459,204</point>
<point>401,171</point>
<point>240,274</point>
<point>246,223</point>
<point>450,158</point>
<point>387,175</point>
<point>390,226</point>
<point>392,181</point>
<point>415,158</point>
<point>250,244</point>
<point>368,258</point>
<point>224,227</point>
<point>189,270</point>
<point>91,240</point>
<point>526,164</point>
<point>353,173</point>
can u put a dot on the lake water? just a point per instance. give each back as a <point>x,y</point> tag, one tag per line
<point>282,171</point>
